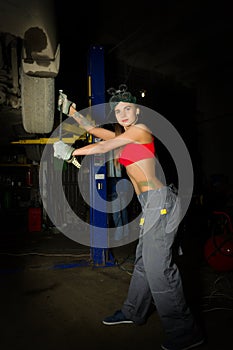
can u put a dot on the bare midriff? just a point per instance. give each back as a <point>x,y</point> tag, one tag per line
<point>142,176</point>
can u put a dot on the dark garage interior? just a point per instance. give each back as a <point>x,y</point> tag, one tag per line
<point>55,291</point>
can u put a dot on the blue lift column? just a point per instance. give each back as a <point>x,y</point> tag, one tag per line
<point>98,186</point>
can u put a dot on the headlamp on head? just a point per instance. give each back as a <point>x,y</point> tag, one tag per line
<point>120,95</point>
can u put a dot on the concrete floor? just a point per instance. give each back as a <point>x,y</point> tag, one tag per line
<point>54,298</point>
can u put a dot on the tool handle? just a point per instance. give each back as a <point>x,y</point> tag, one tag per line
<point>60,125</point>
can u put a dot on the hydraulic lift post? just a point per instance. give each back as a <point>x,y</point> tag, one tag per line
<point>98,219</point>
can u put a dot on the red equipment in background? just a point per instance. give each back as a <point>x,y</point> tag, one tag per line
<point>218,249</point>
<point>34,219</point>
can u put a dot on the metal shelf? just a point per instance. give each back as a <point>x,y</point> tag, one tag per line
<point>15,165</point>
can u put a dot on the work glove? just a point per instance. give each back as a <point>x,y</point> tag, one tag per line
<point>64,151</point>
<point>64,104</point>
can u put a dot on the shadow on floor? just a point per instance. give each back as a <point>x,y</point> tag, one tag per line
<point>53,297</point>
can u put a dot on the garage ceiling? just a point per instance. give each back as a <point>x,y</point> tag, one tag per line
<point>184,40</point>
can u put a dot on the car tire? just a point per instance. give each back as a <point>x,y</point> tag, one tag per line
<point>37,101</point>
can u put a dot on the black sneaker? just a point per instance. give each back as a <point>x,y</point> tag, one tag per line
<point>117,318</point>
<point>192,344</point>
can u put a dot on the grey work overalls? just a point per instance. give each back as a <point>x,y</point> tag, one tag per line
<point>156,276</point>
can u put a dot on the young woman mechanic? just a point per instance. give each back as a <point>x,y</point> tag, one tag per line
<point>155,276</point>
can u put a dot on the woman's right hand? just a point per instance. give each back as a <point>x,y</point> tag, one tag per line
<point>69,108</point>
<point>64,105</point>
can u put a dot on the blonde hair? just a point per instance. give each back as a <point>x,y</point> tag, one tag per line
<point>118,131</point>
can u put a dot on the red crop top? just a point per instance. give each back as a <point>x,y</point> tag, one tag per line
<point>133,152</point>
